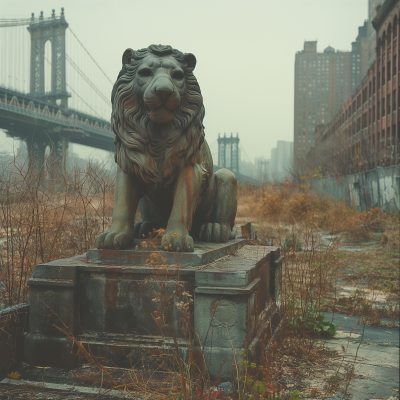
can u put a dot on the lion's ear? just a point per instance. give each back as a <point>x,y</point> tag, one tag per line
<point>190,61</point>
<point>126,57</point>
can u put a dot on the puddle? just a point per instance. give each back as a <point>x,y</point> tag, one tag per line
<point>347,271</point>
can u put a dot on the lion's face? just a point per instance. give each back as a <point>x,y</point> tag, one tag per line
<point>157,113</point>
<point>159,85</point>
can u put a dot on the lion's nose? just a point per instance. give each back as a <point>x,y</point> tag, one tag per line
<point>164,92</point>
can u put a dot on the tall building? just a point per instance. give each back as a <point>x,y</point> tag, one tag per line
<point>365,132</point>
<point>373,7</point>
<point>359,56</point>
<point>323,81</point>
<point>281,160</point>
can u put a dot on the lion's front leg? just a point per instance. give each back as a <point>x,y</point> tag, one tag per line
<point>126,199</point>
<point>186,198</point>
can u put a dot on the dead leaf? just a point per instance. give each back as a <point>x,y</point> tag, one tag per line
<point>14,375</point>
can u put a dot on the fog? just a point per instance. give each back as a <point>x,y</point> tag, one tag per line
<point>245,52</point>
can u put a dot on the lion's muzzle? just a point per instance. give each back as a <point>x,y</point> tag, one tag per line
<point>162,98</point>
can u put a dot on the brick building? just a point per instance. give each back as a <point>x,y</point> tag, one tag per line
<point>323,81</point>
<point>365,132</point>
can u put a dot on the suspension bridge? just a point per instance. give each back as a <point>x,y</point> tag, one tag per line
<point>60,96</point>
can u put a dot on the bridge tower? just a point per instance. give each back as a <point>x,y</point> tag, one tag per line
<point>233,144</point>
<point>41,31</point>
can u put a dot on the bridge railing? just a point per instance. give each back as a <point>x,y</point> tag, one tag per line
<point>73,121</point>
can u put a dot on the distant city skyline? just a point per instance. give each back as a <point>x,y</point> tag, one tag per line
<point>245,52</point>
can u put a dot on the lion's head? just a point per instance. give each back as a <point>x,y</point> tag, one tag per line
<point>157,113</point>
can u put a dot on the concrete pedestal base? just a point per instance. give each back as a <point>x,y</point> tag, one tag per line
<point>112,307</point>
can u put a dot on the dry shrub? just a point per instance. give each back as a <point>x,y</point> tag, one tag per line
<point>43,218</point>
<point>248,200</point>
<point>272,207</point>
<point>290,206</point>
<point>299,207</point>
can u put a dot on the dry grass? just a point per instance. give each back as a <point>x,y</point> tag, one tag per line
<point>62,217</point>
<point>44,218</point>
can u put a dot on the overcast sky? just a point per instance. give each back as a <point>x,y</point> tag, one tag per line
<point>245,51</point>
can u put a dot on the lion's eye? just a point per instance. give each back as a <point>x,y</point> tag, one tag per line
<point>145,72</point>
<point>178,75</point>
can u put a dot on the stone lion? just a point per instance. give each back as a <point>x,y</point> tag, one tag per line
<point>164,164</point>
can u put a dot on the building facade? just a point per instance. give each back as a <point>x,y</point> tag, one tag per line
<point>323,81</point>
<point>373,5</point>
<point>365,133</point>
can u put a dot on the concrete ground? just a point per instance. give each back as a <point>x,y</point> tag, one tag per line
<point>376,367</point>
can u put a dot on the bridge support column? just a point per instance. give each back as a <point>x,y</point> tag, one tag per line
<point>59,156</point>
<point>36,152</point>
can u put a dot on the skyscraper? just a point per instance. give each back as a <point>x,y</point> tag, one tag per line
<point>323,81</point>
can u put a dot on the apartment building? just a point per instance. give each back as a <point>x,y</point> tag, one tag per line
<point>365,133</point>
<point>323,81</point>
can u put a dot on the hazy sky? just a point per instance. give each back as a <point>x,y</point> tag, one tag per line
<point>245,51</point>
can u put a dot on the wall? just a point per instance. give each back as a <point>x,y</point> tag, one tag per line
<point>379,187</point>
<point>14,323</point>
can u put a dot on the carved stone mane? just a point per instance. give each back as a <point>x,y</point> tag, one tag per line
<point>146,149</point>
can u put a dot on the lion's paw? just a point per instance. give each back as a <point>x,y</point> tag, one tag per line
<point>115,239</point>
<point>214,232</point>
<point>178,242</point>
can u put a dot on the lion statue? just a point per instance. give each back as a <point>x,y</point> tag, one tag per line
<point>164,164</point>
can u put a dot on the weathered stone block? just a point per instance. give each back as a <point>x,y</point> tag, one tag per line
<point>111,307</point>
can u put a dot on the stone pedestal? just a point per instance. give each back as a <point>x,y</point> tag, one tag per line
<point>109,300</point>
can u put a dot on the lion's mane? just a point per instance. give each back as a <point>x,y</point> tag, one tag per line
<point>140,148</point>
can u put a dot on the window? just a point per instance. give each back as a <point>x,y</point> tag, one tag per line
<point>379,80</point>
<point>383,76</point>
<point>378,117</point>
<point>394,100</point>
<point>370,94</point>
<point>373,85</point>
<point>388,104</point>
<point>388,136</point>
<point>394,64</point>
<point>388,71</point>
<point>383,108</point>
<point>373,114</point>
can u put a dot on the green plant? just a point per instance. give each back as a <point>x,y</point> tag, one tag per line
<point>255,381</point>
<point>292,243</point>
<point>313,322</point>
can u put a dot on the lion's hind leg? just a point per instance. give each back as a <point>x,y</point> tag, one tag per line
<point>144,229</point>
<point>151,219</point>
<point>221,227</point>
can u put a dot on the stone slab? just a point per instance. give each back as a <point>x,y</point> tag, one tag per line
<point>375,359</point>
<point>238,269</point>
<point>140,254</point>
<point>111,307</point>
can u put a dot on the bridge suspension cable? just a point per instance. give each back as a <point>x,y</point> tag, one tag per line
<point>87,81</point>
<point>7,22</point>
<point>90,83</point>
<point>112,83</point>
